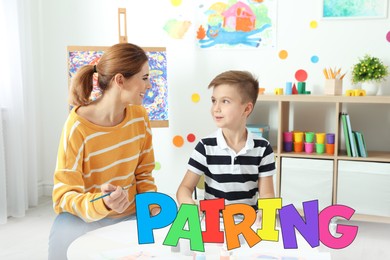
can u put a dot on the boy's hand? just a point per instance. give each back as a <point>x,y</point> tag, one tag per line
<point>118,200</point>
<point>188,201</point>
<point>259,218</point>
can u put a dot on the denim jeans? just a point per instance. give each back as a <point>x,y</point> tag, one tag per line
<point>67,227</point>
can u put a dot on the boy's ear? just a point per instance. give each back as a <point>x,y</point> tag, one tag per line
<point>249,108</point>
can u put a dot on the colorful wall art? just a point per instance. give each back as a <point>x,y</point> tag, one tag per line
<point>237,24</point>
<point>156,98</point>
<point>348,9</point>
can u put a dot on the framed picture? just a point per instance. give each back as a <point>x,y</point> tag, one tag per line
<point>156,98</point>
<point>354,9</point>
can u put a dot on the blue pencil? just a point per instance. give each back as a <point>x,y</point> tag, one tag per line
<point>107,194</point>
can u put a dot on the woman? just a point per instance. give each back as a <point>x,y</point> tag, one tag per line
<point>105,147</point>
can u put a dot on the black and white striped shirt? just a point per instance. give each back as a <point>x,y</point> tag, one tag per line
<point>230,175</point>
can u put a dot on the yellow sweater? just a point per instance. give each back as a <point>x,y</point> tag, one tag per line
<point>91,155</point>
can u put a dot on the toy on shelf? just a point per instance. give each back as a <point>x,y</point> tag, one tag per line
<point>261,91</point>
<point>288,88</point>
<point>355,92</point>
<point>291,89</point>
<point>294,90</point>
<point>278,91</point>
<point>301,87</point>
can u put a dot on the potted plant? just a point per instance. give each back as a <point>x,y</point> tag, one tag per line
<point>370,72</point>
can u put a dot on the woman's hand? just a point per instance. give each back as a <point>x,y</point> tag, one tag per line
<point>155,211</point>
<point>118,200</point>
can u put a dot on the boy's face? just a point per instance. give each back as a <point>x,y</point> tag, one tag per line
<point>227,109</point>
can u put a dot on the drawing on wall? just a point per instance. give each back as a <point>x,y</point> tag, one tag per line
<point>176,29</point>
<point>354,9</point>
<point>237,24</point>
<point>156,98</point>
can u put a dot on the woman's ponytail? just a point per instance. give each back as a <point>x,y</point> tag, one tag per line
<point>82,85</point>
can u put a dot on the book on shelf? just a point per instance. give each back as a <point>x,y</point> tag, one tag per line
<point>352,139</point>
<point>361,143</point>
<point>346,136</point>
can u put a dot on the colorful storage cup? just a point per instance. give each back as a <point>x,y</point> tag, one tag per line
<point>330,138</point>
<point>330,149</point>
<point>309,147</point>
<point>320,138</point>
<point>298,147</point>
<point>287,146</point>
<point>320,148</point>
<point>309,137</point>
<point>287,136</point>
<point>298,137</point>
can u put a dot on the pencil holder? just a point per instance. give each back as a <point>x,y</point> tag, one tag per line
<point>333,87</point>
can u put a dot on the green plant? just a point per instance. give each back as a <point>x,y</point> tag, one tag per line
<point>369,68</point>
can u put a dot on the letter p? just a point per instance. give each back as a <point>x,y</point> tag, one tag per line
<point>147,223</point>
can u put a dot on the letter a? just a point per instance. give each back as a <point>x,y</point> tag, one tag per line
<point>187,212</point>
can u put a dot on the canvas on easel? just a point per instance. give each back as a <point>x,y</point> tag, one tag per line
<point>156,98</point>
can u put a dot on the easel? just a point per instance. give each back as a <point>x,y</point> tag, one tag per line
<point>122,21</point>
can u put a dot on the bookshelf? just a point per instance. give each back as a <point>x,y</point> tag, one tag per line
<point>340,167</point>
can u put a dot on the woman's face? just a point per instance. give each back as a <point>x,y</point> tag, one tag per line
<point>134,88</point>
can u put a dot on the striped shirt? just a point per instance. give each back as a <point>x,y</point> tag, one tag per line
<point>230,175</point>
<point>90,155</point>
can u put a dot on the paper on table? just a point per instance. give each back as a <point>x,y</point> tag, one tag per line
<point>135,252</point>
<point>126,232</point>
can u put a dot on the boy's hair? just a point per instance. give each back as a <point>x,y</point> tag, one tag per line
<point>246,84</point>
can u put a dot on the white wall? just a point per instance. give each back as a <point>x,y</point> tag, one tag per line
<point>94,23</point>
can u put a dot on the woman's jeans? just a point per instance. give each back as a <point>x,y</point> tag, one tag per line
<point>67,227</point>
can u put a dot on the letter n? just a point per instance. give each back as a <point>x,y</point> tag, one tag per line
<point>290,219</point>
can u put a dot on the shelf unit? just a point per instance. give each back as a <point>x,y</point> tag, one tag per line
<point>284,103</point>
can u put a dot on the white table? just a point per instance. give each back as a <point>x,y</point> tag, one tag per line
<point>120,241</point>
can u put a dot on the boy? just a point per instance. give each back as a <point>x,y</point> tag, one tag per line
<point>236,164</point>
